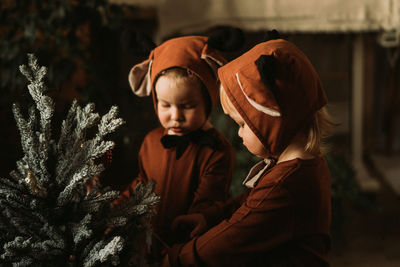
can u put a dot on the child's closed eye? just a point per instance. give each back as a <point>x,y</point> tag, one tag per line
<point>188,106</point>
<point>164,104</point>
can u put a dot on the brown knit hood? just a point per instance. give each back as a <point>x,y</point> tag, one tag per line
<point>189,52</point>
<point>275,89</point>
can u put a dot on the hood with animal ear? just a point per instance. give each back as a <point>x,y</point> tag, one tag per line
<point>275,89</point>
<point>190,52</point>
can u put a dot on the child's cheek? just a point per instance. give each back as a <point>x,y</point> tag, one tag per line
<point>162,115</point>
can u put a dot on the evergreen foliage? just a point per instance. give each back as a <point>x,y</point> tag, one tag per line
<point>48,218</point>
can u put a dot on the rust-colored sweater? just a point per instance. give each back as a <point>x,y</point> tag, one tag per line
<point>283,221</point>
<point>190,184</point>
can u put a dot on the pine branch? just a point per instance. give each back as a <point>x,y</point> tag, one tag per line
<point>47,218</point>
<point>102,252</point>
<point>44,104</point>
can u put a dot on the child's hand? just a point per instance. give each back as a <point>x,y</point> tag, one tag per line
<point>173,255</point>
<point>195,221</point>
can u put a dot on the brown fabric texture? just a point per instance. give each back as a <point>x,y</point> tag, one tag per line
<point>191,184</point>
<point>298,89</point>
<point>284,221</point>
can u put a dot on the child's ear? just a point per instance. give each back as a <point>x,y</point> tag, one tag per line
<point>139,78</point>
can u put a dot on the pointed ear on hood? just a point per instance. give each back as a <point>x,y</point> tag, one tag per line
<point>136,42</point>
<point>139,44</point>
<point>272,35</point>
<point>139,78</point>
<point>212,58</point>
<point>267,68</point>
<point>225,39</point>
<point>259,96</point>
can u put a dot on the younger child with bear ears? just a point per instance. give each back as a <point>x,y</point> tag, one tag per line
<point>189,159</point>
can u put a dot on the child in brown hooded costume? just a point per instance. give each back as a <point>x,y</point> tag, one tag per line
<point>190,160</point>
<point>276,97</point>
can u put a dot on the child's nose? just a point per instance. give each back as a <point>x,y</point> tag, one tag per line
<point>240,131</point>
<point>176,114</point>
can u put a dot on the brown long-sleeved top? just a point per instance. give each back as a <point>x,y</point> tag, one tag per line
<point>283,221</point>
<point>190,184</point>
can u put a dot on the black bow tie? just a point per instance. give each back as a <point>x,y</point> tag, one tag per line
<point>181,142</point>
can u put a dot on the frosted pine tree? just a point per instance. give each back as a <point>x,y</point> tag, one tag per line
<point>48,218</point>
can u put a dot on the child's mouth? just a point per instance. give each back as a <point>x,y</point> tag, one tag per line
<point>177,129</point>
